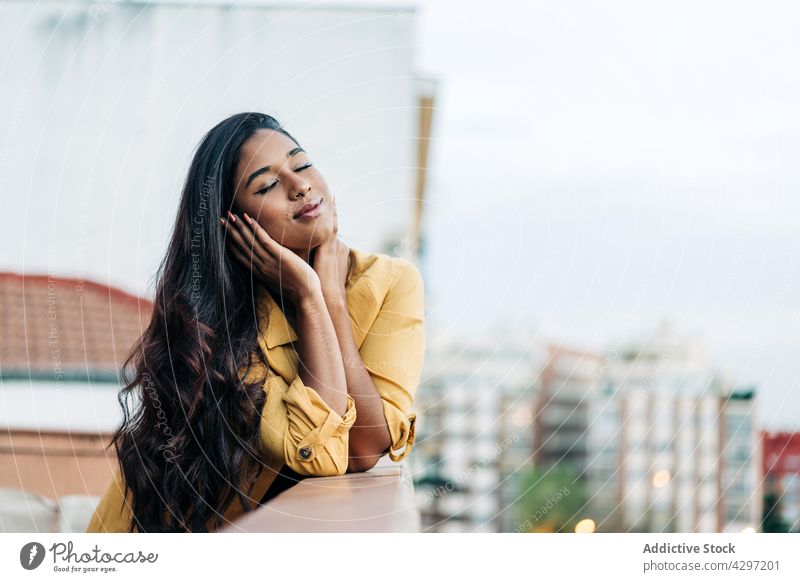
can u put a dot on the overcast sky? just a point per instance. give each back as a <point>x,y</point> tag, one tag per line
<point>600,167</point>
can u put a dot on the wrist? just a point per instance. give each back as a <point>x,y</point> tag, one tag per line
<point>311,296</point>
<point>335,301</point>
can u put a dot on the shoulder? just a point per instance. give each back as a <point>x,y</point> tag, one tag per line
<point>407,278</point>
<point>385,273</point>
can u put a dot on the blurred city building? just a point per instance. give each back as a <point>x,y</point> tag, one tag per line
<point>740,462</point>
<point>568,379</point>
<point>781,456</point>
<point>656,437</point>
<point>662,440</point>
<point>672,446</point>
<point>62,342</point>
<point>475,431</point>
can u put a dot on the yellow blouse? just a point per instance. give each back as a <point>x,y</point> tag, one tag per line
<point>298,428</point>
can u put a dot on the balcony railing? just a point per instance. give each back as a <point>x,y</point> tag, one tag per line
<point>379,500</point>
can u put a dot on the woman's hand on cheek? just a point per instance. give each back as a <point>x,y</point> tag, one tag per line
<point>276,266</point>
<point>331,263</point>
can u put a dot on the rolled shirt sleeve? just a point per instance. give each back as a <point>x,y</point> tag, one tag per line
<point>298,426</point>
<point>393,353</point>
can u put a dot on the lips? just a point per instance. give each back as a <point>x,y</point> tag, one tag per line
<point>307,207</point>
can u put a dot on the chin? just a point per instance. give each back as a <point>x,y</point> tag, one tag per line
<point>320,236</point>
<point>317,242</point>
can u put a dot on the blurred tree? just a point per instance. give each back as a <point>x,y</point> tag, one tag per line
<point>551,499</point>
<point>771,520</point>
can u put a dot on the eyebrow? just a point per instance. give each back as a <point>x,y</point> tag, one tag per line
<point>265,169</point>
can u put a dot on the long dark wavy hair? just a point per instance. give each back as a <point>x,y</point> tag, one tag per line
<point>187,446</point>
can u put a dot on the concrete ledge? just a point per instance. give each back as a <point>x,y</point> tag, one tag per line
<point>379,500</point>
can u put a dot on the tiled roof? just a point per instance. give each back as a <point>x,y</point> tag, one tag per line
<point>66,328</point>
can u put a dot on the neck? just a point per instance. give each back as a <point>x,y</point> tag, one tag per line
<point>306,254</point>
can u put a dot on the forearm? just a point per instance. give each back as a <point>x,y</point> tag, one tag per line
<point>369,435</point>
<point>320,360</point>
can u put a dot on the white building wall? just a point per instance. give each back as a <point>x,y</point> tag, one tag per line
<point>103,104</point>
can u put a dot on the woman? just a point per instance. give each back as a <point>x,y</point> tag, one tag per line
<point>274,351</point>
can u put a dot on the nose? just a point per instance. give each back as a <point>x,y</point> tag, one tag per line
<point>302,188</point>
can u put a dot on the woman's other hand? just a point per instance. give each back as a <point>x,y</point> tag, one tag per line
<point>280,269</point>
<point>331,264</point>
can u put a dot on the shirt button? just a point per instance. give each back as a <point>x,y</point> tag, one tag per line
<point>305,452</point>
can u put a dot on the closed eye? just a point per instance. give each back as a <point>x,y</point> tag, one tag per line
<point>268,188</point>
<point>303,167</point>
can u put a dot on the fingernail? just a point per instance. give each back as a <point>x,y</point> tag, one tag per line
<point>222,220</point>
<point>248,219</point>
<point>232,216</point>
